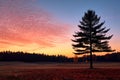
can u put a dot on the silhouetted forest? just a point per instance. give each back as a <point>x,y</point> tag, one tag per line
<point>114,57</point>
<point>35,57</point>
<point>31,57</point>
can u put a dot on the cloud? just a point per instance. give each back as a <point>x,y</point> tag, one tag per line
<point>22,23</point>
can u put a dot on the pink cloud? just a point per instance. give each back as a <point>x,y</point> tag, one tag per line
<point>24,24</point>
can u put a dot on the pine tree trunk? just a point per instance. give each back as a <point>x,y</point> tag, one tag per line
<point>91,60</point>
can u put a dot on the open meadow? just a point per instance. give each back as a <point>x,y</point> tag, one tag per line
<point>58,71</point>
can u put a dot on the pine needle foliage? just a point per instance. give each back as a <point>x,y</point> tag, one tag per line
<point>91,36</point>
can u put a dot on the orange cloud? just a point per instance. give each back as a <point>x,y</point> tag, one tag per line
<point>21,24</point>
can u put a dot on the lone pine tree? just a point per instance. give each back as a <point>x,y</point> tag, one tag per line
<point>91,37</point>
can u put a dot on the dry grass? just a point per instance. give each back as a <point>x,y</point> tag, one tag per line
<point>62,74</point>
<point>30,72</point>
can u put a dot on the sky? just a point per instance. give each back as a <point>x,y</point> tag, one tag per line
<point>47,26</point>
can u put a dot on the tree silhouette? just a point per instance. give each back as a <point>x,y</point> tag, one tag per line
<point>91,37</point>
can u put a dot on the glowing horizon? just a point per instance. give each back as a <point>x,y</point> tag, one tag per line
<point>38,26</point>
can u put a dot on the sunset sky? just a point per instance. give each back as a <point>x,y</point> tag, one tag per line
<point>47,26</point>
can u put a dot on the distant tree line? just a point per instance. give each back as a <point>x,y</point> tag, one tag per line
<point>35,57</point>
<point>31,57</point>
<point>114,57</point>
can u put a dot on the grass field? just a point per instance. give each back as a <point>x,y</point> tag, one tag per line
<point>58,71</point>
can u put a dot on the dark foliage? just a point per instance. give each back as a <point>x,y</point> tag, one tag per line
<point>114,57</point>
<point>92,36</point>
<point>28,57</point>
<point>34,57</point>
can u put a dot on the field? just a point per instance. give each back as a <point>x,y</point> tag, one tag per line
<point>58,71</point>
